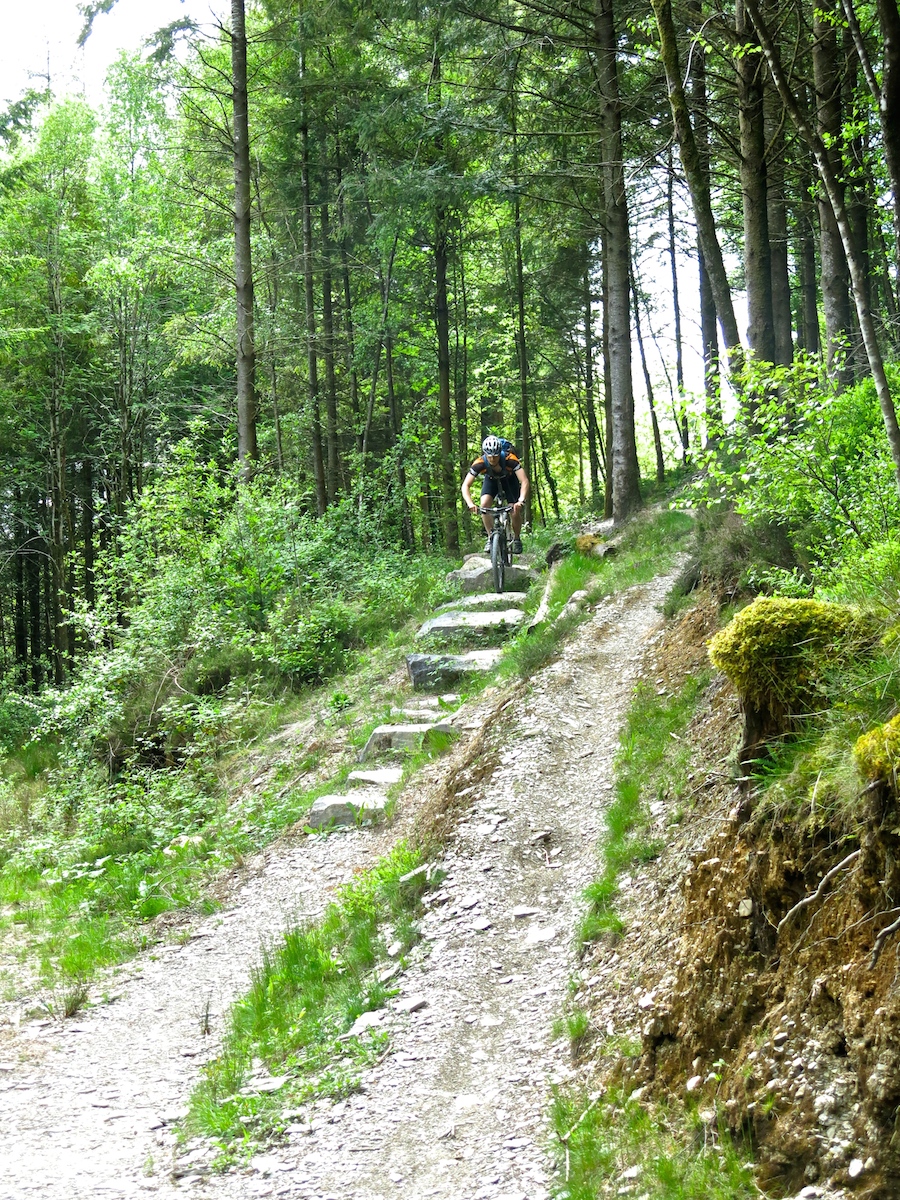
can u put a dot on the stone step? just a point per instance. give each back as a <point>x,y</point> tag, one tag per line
<point>379,776</point>
<point>476,575</point>
<point>432,672</point>
<point>447,624</point>
<point>486,600</point>
<point>358,809</point>
<point>400,737</point>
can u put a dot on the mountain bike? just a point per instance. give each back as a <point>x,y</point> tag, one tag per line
<point>500,538</point>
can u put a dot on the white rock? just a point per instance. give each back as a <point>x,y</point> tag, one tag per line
<point>856,1168</point>
<point>410,1004</point>
<point>522,910</point>
<point>694,1082</point>
<point>745,908</point>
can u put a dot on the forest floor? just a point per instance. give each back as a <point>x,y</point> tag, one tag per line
<point>458,1106</point>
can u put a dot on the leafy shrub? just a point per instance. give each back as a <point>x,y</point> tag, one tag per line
<point>811,469</point>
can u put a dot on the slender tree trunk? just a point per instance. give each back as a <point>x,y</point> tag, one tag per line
<point>396,420</point>
<point>681,417</point>
<point>857,269</point>
<point>350,342</point>
<point>332,464</point>
<point>778,230</point>
<point>832,254</point>
<point>808,315</point>
<point>442,329</point>
<point>87,528</point>
<point>626,491</point>
<point>311,346</point>
<point>697,179</point>
<point>20,624</point>
<point>607,400</point>
<point>593,432</point>
<point>657,440</point>
<point>545,463</point>
<point>33,560</point>
<point>521,346</point>
<point>708,334</point>
<point>243,269</point>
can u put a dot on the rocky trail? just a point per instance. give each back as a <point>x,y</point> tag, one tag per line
<point>457,1108</point>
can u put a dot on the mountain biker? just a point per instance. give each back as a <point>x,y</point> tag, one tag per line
<point>503,472</point>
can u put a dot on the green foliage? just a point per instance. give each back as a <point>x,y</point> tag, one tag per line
<point>651,765</point>
<point>304,997</point>
<point>809,466</point>
<point>777,652</point>
<point>609,1137</point>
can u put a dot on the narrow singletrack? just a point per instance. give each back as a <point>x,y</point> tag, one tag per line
<point>458,1108</point>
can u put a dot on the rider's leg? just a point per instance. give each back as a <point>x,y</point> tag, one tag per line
<point>487,502</point>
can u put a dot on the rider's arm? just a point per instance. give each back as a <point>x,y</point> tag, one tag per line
<point>466,494</point>
<point>525,485</point>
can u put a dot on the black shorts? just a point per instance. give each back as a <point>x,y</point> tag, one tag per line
<point>509,483</point>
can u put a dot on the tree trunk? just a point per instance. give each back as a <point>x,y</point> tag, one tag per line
<point>832,255</point>
<point>332,464</point>
<point>697,179</point>
<point>783,342</point>
<point>311,348</point>
<point>626,491</point>
<point>681,417</point>
<point>708,334</point>
<point>593,432</point>
<point>857,270</point>
<point>657,440</point>
<point>442,329</point>
<point>757,254</point>
<point>887,95</point>
<point>243,270</point>
<point>348,308</point>
<point>396,420</point>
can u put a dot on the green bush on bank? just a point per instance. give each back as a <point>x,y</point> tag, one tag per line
<point>807,474</point>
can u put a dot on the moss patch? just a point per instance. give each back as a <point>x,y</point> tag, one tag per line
<point>777,652</point>
<point>877,752</point>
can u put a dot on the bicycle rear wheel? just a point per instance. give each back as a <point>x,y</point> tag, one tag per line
<point>498,558</point>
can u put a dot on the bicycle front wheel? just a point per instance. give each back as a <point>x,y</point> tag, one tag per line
<point>498,559</point>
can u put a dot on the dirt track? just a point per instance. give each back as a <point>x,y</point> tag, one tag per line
<point>458,1109</point>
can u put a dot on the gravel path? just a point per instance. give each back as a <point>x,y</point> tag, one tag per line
<point>458,1109</point>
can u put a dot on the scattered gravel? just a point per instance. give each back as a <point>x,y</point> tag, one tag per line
<point>458,1108</point>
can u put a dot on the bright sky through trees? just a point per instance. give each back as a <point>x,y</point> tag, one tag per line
<point>46,32</point>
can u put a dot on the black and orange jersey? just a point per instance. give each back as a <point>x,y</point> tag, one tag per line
<point>509,464</point>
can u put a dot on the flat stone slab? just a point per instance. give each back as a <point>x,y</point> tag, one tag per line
<point>434,671</point>
<point>453,622</point>
<point>401,737</point>
<point>477,576</point>
<point>377,776</point>
<point>485,600</point>
<point>329,811</point>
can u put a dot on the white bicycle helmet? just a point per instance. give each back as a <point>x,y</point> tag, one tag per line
<point>491,446</point>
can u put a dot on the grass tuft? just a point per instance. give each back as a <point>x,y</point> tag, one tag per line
<point>609,1142</point>
<point>652,764</point>
<point>308,991</point>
